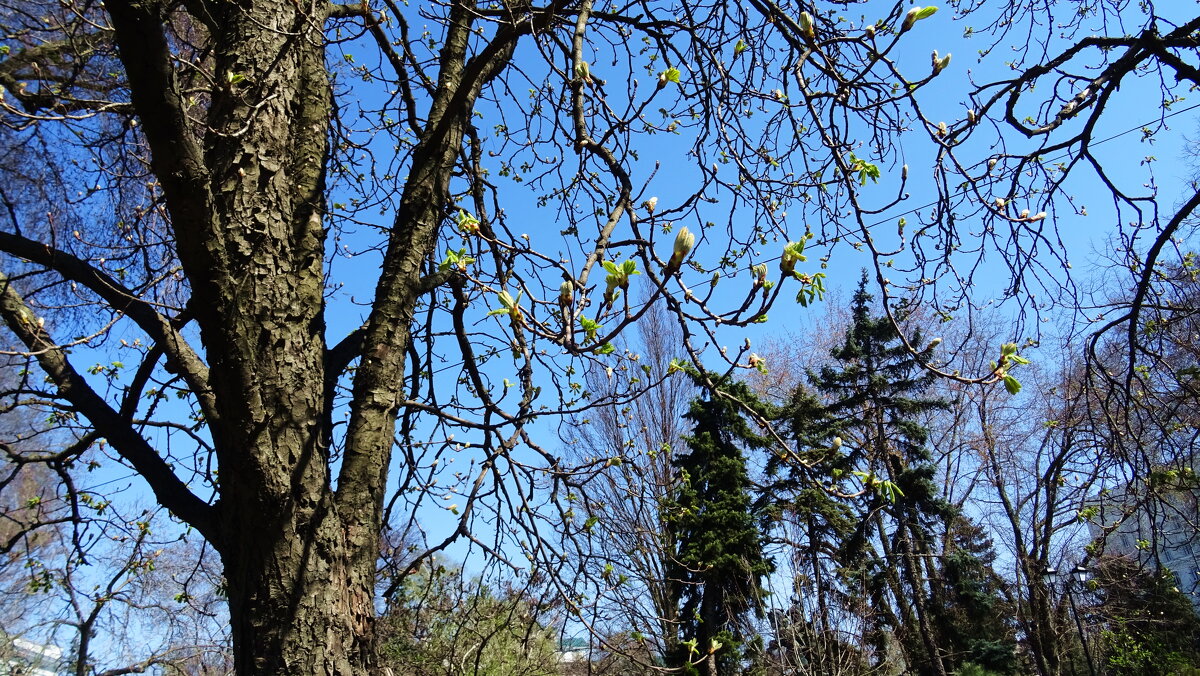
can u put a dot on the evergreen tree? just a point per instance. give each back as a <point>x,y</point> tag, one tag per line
<point>972,612</point>
<point>719,562</point>
<point>859,436</point>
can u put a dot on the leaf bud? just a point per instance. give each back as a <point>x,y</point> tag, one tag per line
<point>806,26</point>
<point>684,241</point>
<point>916,14</point>
<point>583,71</point>
<point>792,253</point>
<point>683,246</point>
<point>760,273</point>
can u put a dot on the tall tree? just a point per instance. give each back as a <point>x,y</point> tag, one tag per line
<point>719,563</point>
<point>625,555</point>
<point>863,419</point>
<point>197,175</point>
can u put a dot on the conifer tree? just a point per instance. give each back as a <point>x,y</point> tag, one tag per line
<point>719,563</point>
<point>858,428</point>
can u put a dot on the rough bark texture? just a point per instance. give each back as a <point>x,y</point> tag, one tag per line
<point>246,202</point>
<point>245,192</point>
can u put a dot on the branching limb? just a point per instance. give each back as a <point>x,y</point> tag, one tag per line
<point>168,489</point>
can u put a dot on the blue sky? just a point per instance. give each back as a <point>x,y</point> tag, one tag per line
<point>664,171</point>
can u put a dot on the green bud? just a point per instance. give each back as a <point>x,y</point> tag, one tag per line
<point>505,299</point>
<point>583,71</point>
<point>611,284</point>
<point>760,273</point>
<point>806,25</point>
<point>684,241</point>
<point>792,254</point>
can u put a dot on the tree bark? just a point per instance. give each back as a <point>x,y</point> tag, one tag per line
<point>246,199</point>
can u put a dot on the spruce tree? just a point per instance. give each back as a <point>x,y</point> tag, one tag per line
<point>859,436</point>
<point>719,563</point>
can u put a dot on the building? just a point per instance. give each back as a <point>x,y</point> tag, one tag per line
<point>21,657</point>
<point>1163,532</point>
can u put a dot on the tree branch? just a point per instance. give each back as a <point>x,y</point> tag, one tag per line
<point>180,354</point>
<point>168,489</point>
<point>176,156</point>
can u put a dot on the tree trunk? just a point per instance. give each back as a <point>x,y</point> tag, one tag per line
<point>243,177</point>
<point>301,605</point>
<point>246,197</point>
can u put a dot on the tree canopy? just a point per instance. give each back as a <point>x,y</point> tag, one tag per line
<point>286,262</point>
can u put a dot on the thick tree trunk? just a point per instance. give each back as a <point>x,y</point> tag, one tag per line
<point>244,182</point>
<point>246,196</point>
<point>300,604</point>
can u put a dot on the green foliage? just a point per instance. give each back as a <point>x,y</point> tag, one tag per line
<point>969,607</point>
<point>858,427</point>
<point>1152,628</point>
<point>859,417</point>
<point>719,562</point>
<point>443,623</point>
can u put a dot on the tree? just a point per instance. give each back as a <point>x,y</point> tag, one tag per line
<point>1027,465</point>
<point>971,610</point>
<point>440,622</point>
<point>719,563</point>
<point>185,183</point>
<point>915,561</point>
<point>626,553</point>
<point>1151,627</point>
<point>112,591</point>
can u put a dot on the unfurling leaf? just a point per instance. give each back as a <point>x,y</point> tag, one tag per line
<point>1012,384</point>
